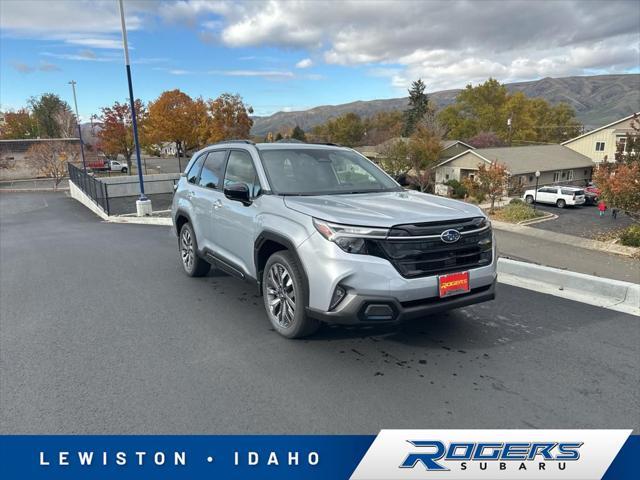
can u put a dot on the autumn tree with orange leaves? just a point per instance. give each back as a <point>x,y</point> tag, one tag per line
<point>489,181</point>
<point>620,182</point>
<point>116,133</point>
<point>19,124</point>
<point>229,118</point>
<point>175,117</point>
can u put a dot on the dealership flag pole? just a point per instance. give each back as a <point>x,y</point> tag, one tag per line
<point>143,204</point>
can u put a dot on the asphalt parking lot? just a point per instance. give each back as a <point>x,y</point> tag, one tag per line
<point>100,332</point>
<point>583,221</point>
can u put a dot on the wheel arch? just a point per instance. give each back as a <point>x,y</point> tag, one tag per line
<point>268,243</point>
<point>181,218</point>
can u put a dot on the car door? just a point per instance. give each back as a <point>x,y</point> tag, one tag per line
<point>235,222</point>
<point>185,197</point>
<point>207,197</point>
<point>546,195</point>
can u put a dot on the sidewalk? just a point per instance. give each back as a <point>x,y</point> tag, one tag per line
<point>553,254</point>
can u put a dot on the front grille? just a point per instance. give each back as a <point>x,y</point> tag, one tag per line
<point>424,257</point>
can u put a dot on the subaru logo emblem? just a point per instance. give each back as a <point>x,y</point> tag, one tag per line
<point>450,236</point>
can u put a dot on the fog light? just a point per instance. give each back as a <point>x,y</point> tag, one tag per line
<point>338,295</point>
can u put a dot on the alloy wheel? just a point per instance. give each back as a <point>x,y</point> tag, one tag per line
<point>186,249</point>
<point>281,295</point>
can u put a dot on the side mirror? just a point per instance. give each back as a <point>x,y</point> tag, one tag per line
<point>238,192</point>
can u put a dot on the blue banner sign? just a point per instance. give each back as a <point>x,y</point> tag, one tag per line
<point>391,455</point>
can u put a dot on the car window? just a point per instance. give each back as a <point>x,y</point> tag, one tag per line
<point>194,171</point>
<point>307,171</point>
<point>213,169</point>
<point>351,173</point>
<point>240,169</point>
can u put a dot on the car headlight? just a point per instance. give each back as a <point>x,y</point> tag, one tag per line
<point>350,238</point>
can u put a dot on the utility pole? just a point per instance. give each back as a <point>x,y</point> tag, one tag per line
<point>75,103</point>
<point>509,126</point>
<point>143,204</point>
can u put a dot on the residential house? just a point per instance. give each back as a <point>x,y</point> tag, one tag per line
<point>602,143</point>
<point>557,165</point>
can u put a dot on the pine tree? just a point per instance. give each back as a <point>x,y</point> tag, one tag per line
<point>418,107</point>
<point>298,134</point>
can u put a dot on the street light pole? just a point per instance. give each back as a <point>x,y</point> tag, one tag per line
<point>535,193</point>
<point>143,204</point>
<point>75,103</point>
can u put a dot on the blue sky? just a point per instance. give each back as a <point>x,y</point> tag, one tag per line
<point>283,55</point>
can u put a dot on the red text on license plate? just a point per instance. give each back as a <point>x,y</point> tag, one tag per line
<point>453,283</point>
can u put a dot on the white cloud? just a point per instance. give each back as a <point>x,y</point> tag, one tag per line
<point>252,73</point>
<point>22,67</point>
<point>42,67</point>
<point>304,63</point>
<point>88,23</point>
<point>447,43</point>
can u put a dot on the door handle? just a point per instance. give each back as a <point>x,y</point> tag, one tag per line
<point>217,204</point>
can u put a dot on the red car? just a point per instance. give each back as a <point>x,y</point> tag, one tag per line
<point>592,194</point>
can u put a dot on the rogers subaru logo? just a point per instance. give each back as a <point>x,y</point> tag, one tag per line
<point>431,454</point>
<point>450,236</point>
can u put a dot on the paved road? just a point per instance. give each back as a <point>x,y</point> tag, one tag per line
<point>101,333</point>
<point>554,254</point>
<point>582,221</point>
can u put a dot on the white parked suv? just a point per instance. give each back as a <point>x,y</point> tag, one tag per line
<point>556,195</point>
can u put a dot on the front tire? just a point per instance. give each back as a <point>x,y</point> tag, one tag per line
<point>561,203</point>
<point>124,170</point>
<point>529,199</point>
<point>193,264</point>
<point>285,296</point>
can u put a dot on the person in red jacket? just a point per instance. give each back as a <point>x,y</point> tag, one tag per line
<point>602,207</point>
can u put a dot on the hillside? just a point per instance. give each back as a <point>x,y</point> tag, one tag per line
<point>597,100</point>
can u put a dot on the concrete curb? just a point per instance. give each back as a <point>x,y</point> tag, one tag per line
<point>570,240</point>
<point>544,218</point>
<point>33,190</point>
<point>598,291</point>
<point>162,221</point>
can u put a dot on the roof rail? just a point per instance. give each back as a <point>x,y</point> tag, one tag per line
<point>249,142</point>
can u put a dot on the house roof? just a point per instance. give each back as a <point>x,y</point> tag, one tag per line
<point>376,150</point>
<point>601,128</point>
<point>450,143</point>
<point>530,158</point>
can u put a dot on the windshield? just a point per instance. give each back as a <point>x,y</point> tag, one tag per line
<point>307,171</point>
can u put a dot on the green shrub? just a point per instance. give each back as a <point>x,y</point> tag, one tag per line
<point>458,189</point>
<point>631,236</point>
<point>517,212</point>
<point>515,201</point>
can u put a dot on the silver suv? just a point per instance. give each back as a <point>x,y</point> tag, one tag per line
<point>327,236</point>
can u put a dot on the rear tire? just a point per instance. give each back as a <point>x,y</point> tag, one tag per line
<point>193,264</point>
<point>529,199</point>
<point>285,296</point>
<point>561,203</point>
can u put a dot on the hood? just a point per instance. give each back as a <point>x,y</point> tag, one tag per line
<point>384,209</point>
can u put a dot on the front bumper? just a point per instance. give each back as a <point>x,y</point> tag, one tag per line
<point>375,310</point>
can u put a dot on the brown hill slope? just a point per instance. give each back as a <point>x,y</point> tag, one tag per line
<point>597,100</point>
